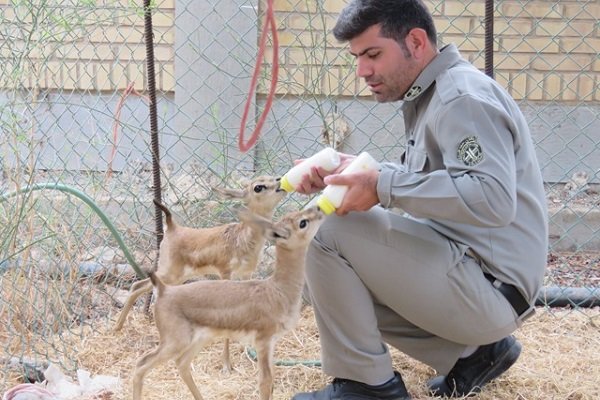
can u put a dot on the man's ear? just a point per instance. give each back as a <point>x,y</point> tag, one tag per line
<point>417,42</point>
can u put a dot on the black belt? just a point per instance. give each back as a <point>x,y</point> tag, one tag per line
<point>512,294</point>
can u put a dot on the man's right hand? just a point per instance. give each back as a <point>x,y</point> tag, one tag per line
<point>313,182</point>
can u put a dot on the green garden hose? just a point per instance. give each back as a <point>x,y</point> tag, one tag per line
<point>87,200</point>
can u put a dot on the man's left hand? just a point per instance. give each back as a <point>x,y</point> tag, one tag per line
<point>362,190</point>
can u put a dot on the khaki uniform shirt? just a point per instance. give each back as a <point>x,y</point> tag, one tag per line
<point>470,171</point>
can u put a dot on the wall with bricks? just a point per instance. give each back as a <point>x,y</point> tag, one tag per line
<point>543,50</point>
<point>87,45</point>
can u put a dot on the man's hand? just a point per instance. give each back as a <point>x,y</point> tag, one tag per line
<point>362,190</point>
<point>313,182</point>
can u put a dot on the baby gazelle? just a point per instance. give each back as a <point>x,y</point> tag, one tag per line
<point>190,316</point>
<point>187,253</point>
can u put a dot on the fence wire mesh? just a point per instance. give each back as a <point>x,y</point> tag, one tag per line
<point>74,112</point>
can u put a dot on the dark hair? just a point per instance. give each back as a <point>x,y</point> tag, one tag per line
<point>397,18</point>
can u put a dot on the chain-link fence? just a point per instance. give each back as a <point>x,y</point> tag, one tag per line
<point>76,162</point>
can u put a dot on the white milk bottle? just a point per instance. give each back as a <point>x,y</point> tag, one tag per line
<point>332,195</point>
<point>328,159</point>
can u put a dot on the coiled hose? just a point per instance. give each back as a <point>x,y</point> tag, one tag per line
<point>87,200</point>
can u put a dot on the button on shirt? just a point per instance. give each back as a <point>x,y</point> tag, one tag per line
<point>470,171</point>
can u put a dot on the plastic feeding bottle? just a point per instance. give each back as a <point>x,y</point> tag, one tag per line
<point>333,195</point>
<point>328,159</point>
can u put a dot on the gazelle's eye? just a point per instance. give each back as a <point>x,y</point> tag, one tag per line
<point>303,224</point>
<point>259,188</point>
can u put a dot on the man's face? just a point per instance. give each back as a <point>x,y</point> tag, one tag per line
<point>388,69</point>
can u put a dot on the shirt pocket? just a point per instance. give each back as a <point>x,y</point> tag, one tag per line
<point>415,160</point>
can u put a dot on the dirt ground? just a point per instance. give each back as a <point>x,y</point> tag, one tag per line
<point>560,360</point>
<point>581,269</point>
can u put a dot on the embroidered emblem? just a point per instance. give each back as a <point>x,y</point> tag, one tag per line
<point>413,93</point>
<point>469,151</point>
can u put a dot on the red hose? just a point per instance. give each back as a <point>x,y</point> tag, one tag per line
<point>269,23</point>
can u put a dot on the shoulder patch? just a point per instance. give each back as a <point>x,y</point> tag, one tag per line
<point>470,151</point>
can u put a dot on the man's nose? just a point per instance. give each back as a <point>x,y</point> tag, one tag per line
<point>364,69</point>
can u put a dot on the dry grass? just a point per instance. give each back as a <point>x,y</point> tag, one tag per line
<point>560,360</point>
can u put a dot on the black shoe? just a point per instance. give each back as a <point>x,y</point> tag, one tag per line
<point>469,374</point>
<point>345,389</point>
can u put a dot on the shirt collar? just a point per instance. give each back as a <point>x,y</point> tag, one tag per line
<point>447,57</point>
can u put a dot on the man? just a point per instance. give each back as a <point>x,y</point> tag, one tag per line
<point>448,281</point>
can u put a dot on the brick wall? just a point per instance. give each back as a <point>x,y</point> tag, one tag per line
<point>87,45</point>
<point>542,50</point>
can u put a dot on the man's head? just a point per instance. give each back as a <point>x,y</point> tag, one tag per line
<point>392,40</point>
<point>396,17</point>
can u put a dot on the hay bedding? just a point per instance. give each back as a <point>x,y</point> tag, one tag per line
<point>560,360</point>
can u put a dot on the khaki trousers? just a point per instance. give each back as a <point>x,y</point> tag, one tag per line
<point>377,278</point>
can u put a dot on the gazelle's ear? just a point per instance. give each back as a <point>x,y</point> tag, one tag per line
<point>275,233</point>
<point>227,193</point>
